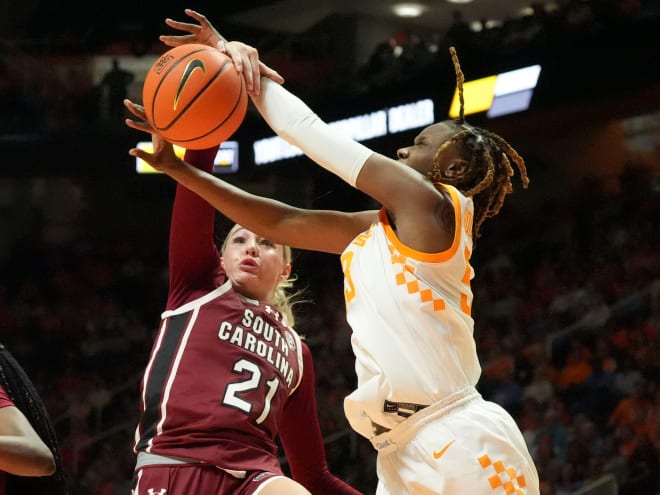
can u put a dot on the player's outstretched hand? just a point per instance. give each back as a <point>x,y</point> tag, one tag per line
<point>163,157</point>
<point>203,32</point>
<point>142,124</point>
<point>245,57</point>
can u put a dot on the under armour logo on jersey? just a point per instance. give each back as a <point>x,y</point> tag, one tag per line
<point>162,491</point>
<point>262,475</point>
<point>290,341</point>
<point>272,312</point>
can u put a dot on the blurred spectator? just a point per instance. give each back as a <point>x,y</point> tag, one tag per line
<point>540,388</point>
<point>643,468</point>
<point>459,34</point>
<point>21,115</point>
<point>573,374</point>
<point>114,86</point>
<point>631,410</point>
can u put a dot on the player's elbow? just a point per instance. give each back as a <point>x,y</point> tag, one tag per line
<point>49,465</point>
<point>43,463</point>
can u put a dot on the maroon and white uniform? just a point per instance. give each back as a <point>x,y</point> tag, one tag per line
<point>225,375</point>
<point>4,398</point>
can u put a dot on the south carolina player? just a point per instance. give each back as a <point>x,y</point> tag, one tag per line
<point>407,277</point>
<point>227,372</point>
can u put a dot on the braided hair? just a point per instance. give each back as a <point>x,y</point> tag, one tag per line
<point>490,158</point>
<point>23,394</point>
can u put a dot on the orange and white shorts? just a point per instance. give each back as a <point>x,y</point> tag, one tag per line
<point>462,444</point>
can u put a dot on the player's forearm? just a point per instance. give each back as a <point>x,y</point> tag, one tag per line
<point>295,122</point>
<point>23,457</point>
<point>265,216</point>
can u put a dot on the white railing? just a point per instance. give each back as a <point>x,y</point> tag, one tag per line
<point>605,485</point>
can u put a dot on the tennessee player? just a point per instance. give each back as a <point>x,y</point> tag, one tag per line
<point>407,279</point>
<point>227,373</point>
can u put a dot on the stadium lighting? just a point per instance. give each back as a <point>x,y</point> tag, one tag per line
<point>408,9</point>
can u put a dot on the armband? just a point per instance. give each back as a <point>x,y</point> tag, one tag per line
<point>296,123</point>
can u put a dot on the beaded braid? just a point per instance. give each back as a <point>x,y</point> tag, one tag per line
<point>490,160</point>
<point>21,391</point>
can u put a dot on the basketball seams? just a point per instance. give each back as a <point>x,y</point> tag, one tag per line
<point>200,92</point>
<point>230,116</point>
<point>164,78</point>
<point>212,105</point>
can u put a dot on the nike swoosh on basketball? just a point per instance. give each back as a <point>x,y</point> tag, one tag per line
<point>440,453</point>
<point>190,68</point>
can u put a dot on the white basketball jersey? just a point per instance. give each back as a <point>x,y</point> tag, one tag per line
<point>410,316</point>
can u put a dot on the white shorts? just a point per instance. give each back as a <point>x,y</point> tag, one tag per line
<point>460,445</point>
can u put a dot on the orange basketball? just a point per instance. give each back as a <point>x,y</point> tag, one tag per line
<point>194,97</point>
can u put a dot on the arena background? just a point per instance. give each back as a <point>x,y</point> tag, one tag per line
<point>567,276</point>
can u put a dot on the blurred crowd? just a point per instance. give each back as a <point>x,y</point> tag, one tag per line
<point>567,310</point>
<point>43,92</point>
<point>544,31</point>
<point>567,294</point>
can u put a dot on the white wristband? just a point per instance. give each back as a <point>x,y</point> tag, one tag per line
<point>295,122</point>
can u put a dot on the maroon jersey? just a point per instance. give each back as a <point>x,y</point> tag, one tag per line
<point>4,398</point>
<point>223,366</point>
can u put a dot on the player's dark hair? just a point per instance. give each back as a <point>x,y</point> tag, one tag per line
<point>22,392</point>
<point>489,158</point>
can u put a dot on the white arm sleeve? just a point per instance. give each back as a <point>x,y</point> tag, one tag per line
<point>295,122</point>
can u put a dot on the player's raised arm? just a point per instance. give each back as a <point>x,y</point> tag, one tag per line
<point>245,57</point>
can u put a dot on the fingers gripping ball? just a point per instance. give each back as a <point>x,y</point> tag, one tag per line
<point>194,97</point>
